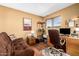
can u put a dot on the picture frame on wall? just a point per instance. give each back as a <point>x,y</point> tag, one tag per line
<point>71,23</point>
<point>27,24</point>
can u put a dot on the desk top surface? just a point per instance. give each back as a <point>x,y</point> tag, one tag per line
<point>74,37</point>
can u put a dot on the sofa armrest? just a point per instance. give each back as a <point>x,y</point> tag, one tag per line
<point>25,52</point>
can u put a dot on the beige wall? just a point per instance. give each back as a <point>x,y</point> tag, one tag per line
<point>1,21</point>
<point>66,14</point>
<point>2,17</point>
<point>11,21</point>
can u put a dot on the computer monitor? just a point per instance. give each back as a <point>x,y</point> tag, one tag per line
<point>65,31</point>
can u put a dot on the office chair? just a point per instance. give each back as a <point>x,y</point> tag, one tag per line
<point>55,39</point>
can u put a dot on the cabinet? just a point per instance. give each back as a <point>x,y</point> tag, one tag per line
<point>72,46</point>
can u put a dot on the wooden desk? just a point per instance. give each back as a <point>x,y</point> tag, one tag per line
<point>72,46</point>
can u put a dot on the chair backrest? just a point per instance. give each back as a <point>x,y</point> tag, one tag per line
<point>5,44</point>
<point>54,38</point>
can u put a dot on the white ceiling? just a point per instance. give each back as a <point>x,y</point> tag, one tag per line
<point>40,9</point>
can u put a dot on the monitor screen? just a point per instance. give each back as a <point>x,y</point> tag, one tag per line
<point>64,30</point>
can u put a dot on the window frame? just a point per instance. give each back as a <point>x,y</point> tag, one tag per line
<point>52,26</point>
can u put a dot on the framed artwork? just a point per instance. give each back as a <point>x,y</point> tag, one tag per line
<point>71,23</point>
<point>77,23</point>
<point>27,24</point>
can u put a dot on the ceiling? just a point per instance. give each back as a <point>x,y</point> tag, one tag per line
<point>40,9</point>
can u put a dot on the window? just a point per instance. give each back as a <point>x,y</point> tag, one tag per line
<point>54,23</point>
<point>49,23</point>
<point>57,21</point>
